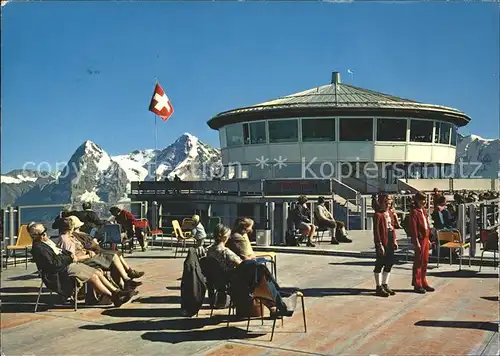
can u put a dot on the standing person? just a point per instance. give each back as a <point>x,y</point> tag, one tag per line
<point>198,231</point>
<point>420,233</point>
<point>127,221</point>
<point>384,236</point>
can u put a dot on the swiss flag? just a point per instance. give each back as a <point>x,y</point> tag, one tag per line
<point>160,104</point>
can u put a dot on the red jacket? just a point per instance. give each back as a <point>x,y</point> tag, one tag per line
<point>380,228</point>
<point>417,225</point>
<point>126,220</point>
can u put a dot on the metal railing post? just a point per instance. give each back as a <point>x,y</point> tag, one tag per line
<point>284,225</point>
<point>473,230</point>
<point>272,207</point>
<point>462,227</point>
<point>12,224</point>
<point>347,226</point>
<point>363,213</point>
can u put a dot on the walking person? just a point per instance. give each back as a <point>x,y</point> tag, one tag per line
<point>420,233</point>
<point>384,236</point>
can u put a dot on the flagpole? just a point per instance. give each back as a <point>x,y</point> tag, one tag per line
<point>156,147</point>
<point>156,140</point>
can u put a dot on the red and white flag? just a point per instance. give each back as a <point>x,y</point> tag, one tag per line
<point>160,104</point>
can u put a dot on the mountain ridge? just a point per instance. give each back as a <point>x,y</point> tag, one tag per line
<point>91,174</point>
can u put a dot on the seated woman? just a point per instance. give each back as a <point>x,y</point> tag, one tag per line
<point>302,220</point>
<point>227,259</point>
<point>239,242</point>
<point>198,231</point>
<point>91,244</point>
<point>58,266</point>
<point>88,254</point>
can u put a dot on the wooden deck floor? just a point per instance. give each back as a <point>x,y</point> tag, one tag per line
<point>344,317</point>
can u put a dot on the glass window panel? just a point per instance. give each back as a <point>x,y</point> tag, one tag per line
<point>246,134</point>
<point>391,130</point>
<point>222,137</point>
<point>257,132</point>
<point>234,135</point>
<point>318,130</point>
<point>354,129</point>
<point>421,131</point>
<point>453,135</point>
<point>436,132</point>
<point>444,133</point>
<point>283,131</point>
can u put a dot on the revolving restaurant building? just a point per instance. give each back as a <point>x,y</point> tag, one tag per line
<point>335,131</point>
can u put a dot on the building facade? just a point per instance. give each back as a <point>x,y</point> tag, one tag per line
<point>363,138</point>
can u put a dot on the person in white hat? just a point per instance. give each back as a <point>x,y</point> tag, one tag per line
<point>88,252</point>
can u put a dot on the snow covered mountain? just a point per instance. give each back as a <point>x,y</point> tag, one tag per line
<point>18,182</point>
<point>480,157</point>
<point>93,175</point>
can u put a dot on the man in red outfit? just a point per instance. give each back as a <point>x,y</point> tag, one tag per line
<point>420,233</point>
<point>127,221</point>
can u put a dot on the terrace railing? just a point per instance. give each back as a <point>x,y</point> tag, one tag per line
<point>272,187</point>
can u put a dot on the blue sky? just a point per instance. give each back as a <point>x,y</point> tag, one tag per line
<point>214,56</point>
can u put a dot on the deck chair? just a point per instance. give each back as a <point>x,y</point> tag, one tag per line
<point>490,244</point>
<point>263,295</point>
<point>217,284</point>
<point>24,242</point>
<point>75,293</point>
<point>453,240</point>
<point>179,235</point>
<point>320,231</point>
<point>112,235</point>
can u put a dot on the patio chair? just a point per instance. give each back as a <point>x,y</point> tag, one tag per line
<point>75,292</point>
<point>217,283</point>
<point>112,236</point>
<point>179,235</point>
<point>453,240</point>
<point>490,244</point>
<point>264,297</point>
<point>24,242</point>
<point>320,231</point>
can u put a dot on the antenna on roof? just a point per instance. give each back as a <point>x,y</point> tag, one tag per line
<point>336,81</point>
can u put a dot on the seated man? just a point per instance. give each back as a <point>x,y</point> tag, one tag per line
<point>89,218</point>
<point>302,220</point>
<point>326,220</point>
<point>57,267</point>
<point>442,220</point>
<point>441,216</point>
<point>89,252</point>
<point>198,231</point>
